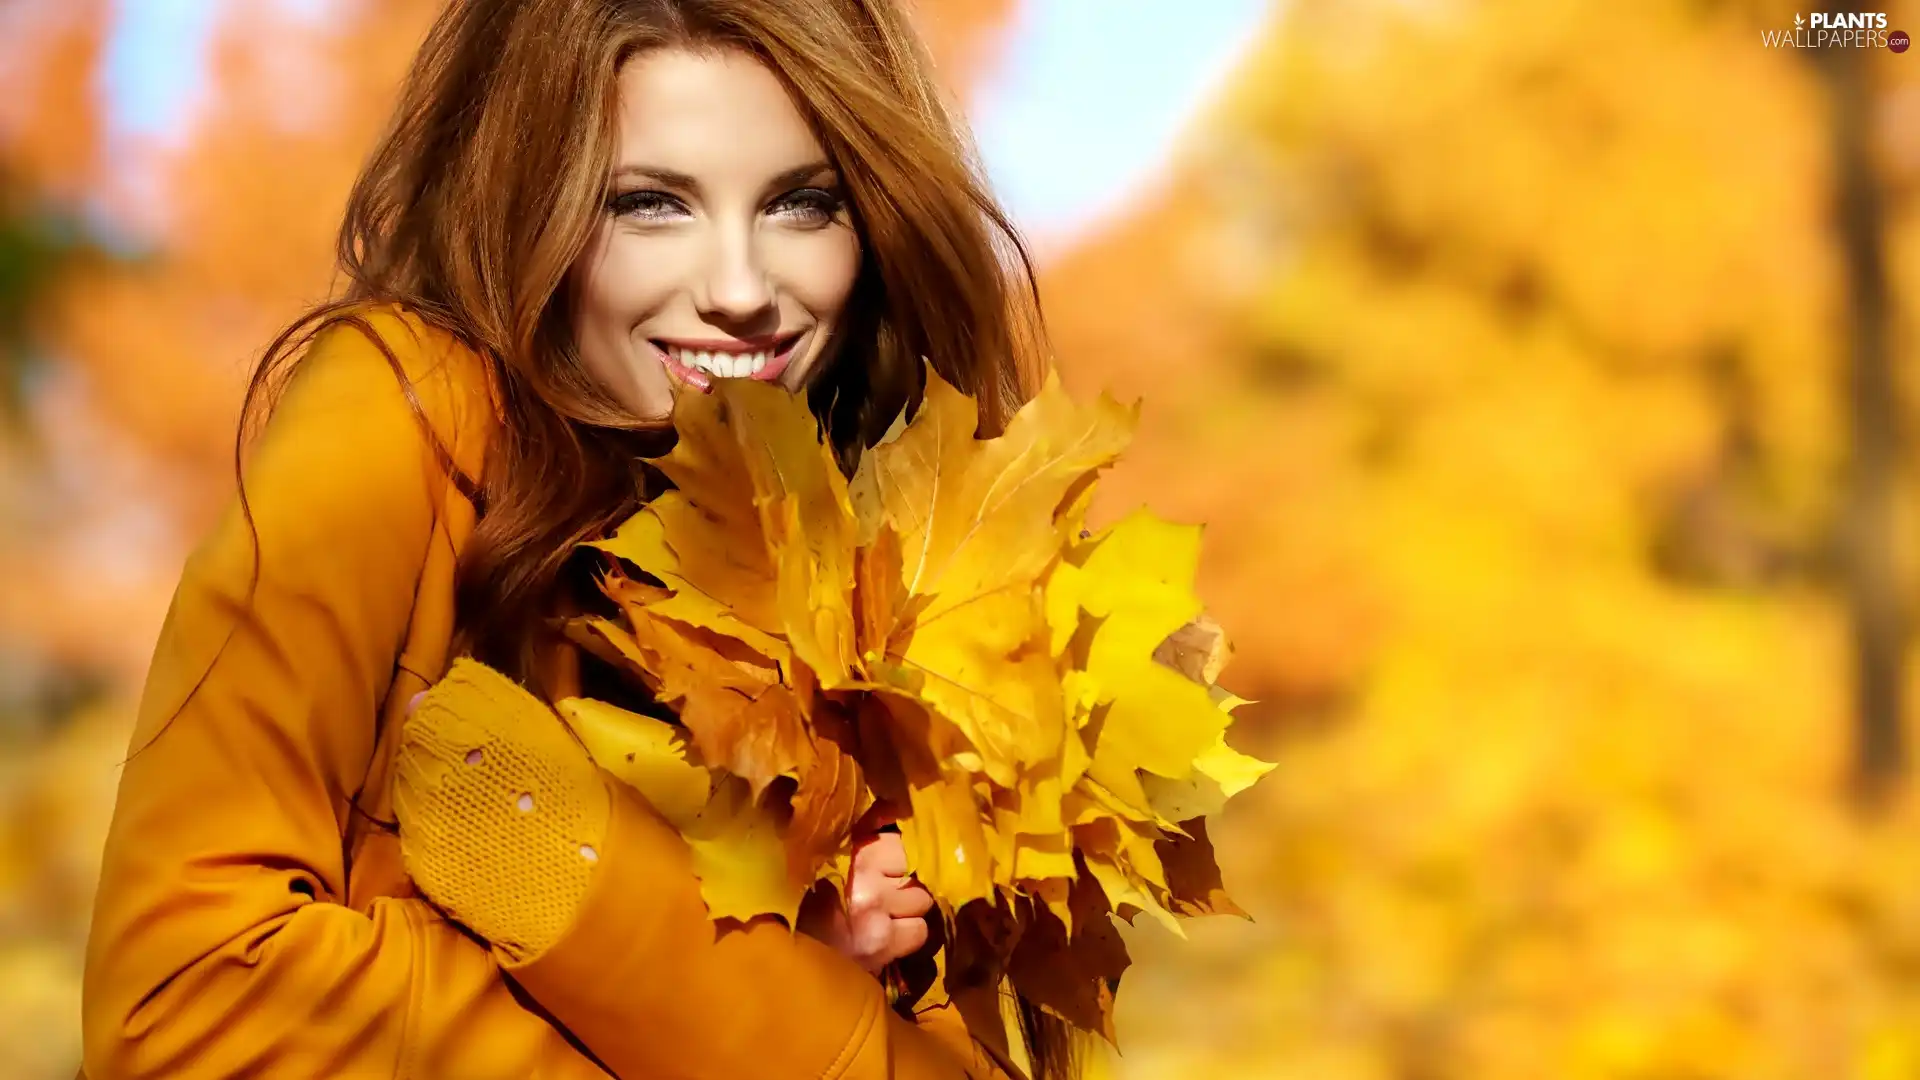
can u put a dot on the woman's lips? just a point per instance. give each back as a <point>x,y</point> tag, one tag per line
<point>702,381</point>
<point>682,374</point>
<point>778,362</point>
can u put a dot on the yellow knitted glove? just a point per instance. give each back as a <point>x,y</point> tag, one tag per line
<point>501,811</point>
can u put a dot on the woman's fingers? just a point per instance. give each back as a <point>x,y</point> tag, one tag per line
<point>907,900</point>
<point>871,933</point>
<point>879,940</point>
<point>892,925</point>
<point>876,939</point>
<point>885,914</point>
<point>885,855</point>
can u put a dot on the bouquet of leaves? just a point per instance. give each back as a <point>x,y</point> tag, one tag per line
<point>940,631</point>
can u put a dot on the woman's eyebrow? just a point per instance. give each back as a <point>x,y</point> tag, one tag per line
<point>800,174</point>
<point>664,177</point>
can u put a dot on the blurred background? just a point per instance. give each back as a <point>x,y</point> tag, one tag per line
<point>1541,369</point>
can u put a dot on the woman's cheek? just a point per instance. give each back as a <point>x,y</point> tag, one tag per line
<point>616,302</point>
<point>819,269</point>
<point>637,278</point>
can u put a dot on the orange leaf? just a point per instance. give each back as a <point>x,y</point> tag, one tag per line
<point>878,592</point>
<point>739,716</point>
<point>830,796</point>
<point>1073,974</point>
<point>1193,875</point>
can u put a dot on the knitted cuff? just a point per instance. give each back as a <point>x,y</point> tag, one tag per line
<point>501,811</point>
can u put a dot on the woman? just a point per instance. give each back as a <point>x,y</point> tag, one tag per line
<point>584,209</point>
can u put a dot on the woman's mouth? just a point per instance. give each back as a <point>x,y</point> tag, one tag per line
<point>697,364</point>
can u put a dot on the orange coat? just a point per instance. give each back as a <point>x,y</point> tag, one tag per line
<point>253,918</point>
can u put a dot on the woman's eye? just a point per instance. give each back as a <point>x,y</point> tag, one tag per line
<point>647,205</point>
<point>813,207</point>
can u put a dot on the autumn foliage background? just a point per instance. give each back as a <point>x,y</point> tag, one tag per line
<point>1537,369</point>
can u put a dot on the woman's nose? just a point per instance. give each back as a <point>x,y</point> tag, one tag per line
<point>736,286</point>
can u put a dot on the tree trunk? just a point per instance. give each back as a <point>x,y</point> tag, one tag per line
<point>1867,530</point>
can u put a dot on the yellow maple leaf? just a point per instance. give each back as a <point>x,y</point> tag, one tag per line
<point>736,844</point>
<point>975,522</point>
<point>758,531</point>
<point>1128,894</point>
<point>1219,773</point>
<point>642,541</point>
<point>805,512</point>
<point>976,515</point>
<point>1136,580</point>
<point>741,857</point>
<point>740,716</point>
<point>943,826</point>
<point>649,755</point>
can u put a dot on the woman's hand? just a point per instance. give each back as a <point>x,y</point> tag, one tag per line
<point>884,918</point>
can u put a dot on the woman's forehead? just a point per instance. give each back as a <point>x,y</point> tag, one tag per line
<point>712,112</point>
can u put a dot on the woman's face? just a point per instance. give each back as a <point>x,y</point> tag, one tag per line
<point>726,249</point>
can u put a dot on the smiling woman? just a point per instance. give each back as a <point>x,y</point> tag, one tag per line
<point>583,210</point>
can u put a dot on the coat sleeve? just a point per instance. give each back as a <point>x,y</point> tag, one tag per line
<point>221,944</point>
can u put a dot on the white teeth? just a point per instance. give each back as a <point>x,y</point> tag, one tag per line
<point>722,365</point>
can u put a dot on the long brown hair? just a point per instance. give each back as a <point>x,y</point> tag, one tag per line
<point>490,182</point>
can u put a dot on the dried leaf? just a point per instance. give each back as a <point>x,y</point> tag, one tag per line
<point>1193,874</point>
<point>740,857</point>
<point>641,540</point>
<point>740,718</point>
<point>981,938</point>
<point>1199,651</point>
<point>1135,582</point>
<point>943,826</point>
<point>805,512</point>
<point>831,794</point>
<point>976,527</point>
<point>1072,969</point>
<point>648,754</point>
<point>1219,773</point>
